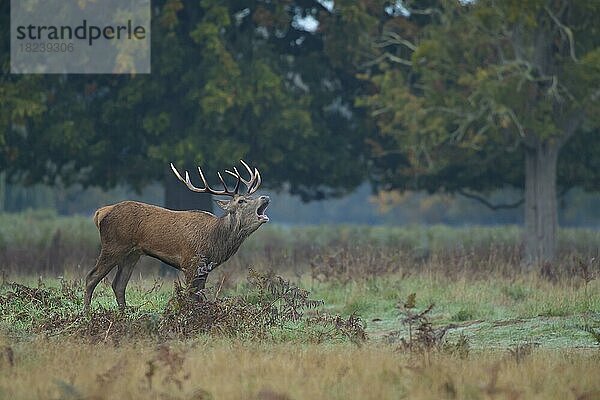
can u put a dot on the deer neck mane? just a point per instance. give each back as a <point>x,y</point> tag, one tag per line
<point>229,233</point>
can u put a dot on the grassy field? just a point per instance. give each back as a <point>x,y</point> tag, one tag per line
<point>349,312</point>
<point>505,338</point>
<point>492,314</point>
<point>208,368</point>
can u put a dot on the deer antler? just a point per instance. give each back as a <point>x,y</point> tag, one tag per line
<point>252,184</point>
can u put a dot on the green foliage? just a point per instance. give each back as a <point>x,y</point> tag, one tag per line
<point>476,91</point>
<point>229,80</point>
<point>454,92</point>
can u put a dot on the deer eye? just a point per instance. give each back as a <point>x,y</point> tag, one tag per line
<point>241,201</point>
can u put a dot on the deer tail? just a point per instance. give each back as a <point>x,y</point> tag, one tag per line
<point>100,214</point>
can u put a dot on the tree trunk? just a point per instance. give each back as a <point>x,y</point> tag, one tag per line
<point>2,191</point>
<point>179,197</point>
<point>541,213</point>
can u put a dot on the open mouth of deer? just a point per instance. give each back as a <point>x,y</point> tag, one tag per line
<point>260,211</point>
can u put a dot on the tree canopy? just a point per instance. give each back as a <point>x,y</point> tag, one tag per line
<point>468,95</point>
<point>229,80</point>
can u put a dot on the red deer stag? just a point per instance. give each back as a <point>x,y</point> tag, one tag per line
<point>195,242</point>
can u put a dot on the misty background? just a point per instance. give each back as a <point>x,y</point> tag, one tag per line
<point>576,208</point>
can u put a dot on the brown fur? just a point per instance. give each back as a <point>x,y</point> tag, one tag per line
<point>194,242</point>
<point>101,213</point>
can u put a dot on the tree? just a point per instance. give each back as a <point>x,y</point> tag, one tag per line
<point>489,94</point>
<point>229,80</point>
<point>20,97</point>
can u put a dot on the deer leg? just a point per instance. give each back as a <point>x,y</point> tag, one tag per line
<point>106,262</point>
<point>199,280</point>
<point>122,277</point>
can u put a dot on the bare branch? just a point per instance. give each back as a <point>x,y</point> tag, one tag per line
<point>526,68</point>
<point>379,111</point>
<point>568,32</point>
<point>488,204</point>
<point>515,120</point>
<point>423,11</point>
<point>389,57</point>
<point>389,38</point>
<point>503,206</point>
<point>398,60</point>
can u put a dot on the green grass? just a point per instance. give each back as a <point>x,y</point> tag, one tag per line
<point>471,299</point>
<point>497,312</point>
<point>494,313</point>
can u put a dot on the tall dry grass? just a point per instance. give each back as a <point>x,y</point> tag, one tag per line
<point>35,243</point>
<point>209,369</point>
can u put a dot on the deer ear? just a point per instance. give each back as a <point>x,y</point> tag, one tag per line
<point>223,204</point>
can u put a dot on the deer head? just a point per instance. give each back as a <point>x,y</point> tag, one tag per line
<point>244,211</point>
